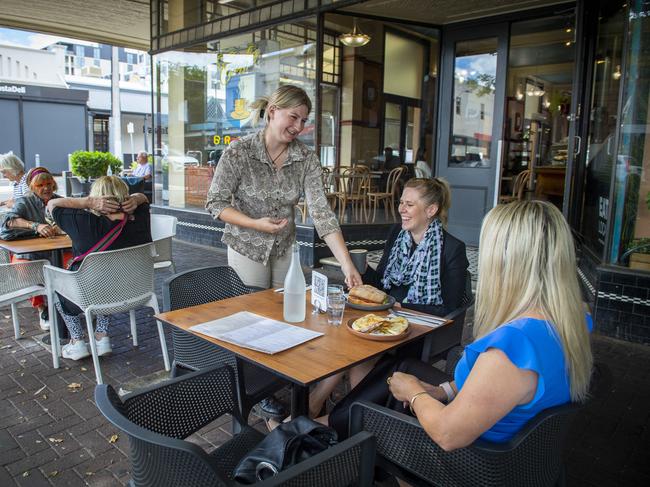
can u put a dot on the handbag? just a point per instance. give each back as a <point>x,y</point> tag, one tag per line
<point>105,242</point>
<point>288,444</point>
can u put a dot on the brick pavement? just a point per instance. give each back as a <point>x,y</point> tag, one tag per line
<point>53,435</point>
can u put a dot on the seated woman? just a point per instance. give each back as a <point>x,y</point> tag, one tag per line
<point>27,220</point>
<point>87,220</point>
<point>423,267</point>
<point>531,349</point>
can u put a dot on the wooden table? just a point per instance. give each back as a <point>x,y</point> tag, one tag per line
<point>306,364</point>
<point>56,245</point>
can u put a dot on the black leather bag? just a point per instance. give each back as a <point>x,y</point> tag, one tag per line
<point>288,444</point>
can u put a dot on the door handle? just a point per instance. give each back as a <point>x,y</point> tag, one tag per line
<point>579,148</point>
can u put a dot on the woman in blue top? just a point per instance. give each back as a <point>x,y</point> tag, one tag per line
<point>531,348</point>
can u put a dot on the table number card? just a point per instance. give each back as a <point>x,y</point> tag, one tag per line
<point>319,290</point>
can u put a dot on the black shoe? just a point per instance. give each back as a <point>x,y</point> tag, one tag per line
<point>270,407</point>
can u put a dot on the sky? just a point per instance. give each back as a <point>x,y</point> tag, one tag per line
<point>34,40</point>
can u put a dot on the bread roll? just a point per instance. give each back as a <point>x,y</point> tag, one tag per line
<point>367,294</point>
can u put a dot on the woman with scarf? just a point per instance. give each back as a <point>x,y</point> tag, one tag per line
<point>423,267</point>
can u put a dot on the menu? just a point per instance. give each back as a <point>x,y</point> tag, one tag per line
<point>256,332</point>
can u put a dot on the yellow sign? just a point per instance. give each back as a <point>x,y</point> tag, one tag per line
<point>226,139</point>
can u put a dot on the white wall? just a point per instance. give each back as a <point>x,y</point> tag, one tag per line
<point>32,66</point>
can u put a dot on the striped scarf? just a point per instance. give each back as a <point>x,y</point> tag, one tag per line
<point>420,270</point>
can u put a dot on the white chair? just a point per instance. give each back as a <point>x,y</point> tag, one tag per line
<point>108,282</point>
<point>19,281</point>
<point>163,230</point>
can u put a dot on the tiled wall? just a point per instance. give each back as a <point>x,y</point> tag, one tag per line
<point>620,299</point>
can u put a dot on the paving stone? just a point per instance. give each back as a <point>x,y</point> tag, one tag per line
<point>67,478</point>
<point>31,462</point>
<point>35,478</point>
<point>10,456</point>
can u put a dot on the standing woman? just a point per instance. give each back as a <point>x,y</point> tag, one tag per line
<point>259,179</point>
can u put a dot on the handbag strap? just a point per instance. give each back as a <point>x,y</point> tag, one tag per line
<point>104,243</point>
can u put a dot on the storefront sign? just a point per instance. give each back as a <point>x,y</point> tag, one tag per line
<point>226,139</point>
<point>14,89</point>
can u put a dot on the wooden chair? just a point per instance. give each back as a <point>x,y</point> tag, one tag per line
<point>518,188</point>
<point>326,176</point>
<point>388,196</point>
<point>355,183</point>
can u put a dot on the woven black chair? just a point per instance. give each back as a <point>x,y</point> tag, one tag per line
<point>437,344</point>
<point>532,458</point>
<point>200,286</point>
<point>157,420</point>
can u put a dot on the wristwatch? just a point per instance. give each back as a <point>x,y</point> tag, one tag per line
<point>34,226</point>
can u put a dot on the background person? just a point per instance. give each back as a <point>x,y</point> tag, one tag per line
<point>27,219</point>
<point>256,185</point>
<point>143,169</point>
<point>87,220</point>
<point>531,348</point>
<point>13,169</point>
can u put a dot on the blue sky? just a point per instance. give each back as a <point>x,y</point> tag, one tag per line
<point>23,38</point>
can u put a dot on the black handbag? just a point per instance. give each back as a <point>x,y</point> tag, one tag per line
<point>288,444</point>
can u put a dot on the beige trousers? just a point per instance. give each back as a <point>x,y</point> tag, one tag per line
<point>254,273</point>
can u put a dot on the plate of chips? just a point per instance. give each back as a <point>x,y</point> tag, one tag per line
<point>379,328</point>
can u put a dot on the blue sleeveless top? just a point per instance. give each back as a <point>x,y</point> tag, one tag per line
<point>531,344</point>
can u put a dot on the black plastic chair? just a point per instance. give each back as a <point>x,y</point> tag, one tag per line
<point>437,344</point>
<point>204,285</point>
<point>532,458</point>
<point>157,420</point>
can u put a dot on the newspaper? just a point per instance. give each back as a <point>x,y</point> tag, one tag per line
<point>256,332</point>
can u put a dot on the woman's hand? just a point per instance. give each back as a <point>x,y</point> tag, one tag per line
<point>404,386</point>
<point>271,225</point>
<point>103,204</point>
<point>352,276</point>
<point>45,230</point>
<point>397,305</point>
<point>131,203</point>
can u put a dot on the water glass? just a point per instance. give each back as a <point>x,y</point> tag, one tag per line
<point>335,304</point>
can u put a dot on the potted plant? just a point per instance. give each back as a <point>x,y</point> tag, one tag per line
<point>90,165</point>
<point>640,256</point>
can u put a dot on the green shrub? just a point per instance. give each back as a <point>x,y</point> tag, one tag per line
<point>641,245</point>
<point>94,164</point>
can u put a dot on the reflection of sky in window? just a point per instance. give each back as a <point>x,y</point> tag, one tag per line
<point>471,66</point>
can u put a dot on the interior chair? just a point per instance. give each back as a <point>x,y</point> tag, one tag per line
<point>163,230</point>
<point>191,353</point>
<point>438,344</point>
<point>388,196</point>
<point>355,186</point>
<point>19,281</point>
<point>533,457</point>
<point>518,188</point>
<point>158,419</point>
<point>326,176</point>
<point>114,281</point>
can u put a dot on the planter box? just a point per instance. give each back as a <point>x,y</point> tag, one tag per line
<point>640,261</point>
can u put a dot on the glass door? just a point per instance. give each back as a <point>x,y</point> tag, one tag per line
<point>470,123</point>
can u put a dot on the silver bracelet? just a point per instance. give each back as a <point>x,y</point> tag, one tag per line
<point>446,386</point>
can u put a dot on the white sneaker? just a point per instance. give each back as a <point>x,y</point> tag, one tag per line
<point>103,346</point>
<point>43,320</point>
<point>76,350</point>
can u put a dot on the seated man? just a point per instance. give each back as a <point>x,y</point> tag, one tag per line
<point>144,168</point>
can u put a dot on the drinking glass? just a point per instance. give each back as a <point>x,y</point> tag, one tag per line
<point>335,304</point>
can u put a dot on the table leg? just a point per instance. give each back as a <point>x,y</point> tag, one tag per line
<point>299,400</point>
<point>57,258</point>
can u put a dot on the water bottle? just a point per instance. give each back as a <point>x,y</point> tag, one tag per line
<point>295,289</point>
<point>109,170</point>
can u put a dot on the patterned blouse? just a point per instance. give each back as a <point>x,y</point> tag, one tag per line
<point>247,180</point>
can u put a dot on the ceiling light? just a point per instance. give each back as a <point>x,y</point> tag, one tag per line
<point>356,38</point>
<point>567,43</point>
<point>617,72</point>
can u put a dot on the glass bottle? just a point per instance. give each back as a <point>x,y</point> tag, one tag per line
<point>295,289</point>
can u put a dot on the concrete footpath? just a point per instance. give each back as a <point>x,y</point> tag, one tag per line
<point>51,433</point>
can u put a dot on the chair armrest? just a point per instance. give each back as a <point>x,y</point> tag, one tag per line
<point>350,462</point>
<point>61,281</point>
<point>19,275</point>
<point>255,289</point>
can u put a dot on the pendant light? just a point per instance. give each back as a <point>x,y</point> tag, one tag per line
<point>356,38</point>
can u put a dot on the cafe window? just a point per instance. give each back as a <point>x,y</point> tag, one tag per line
<point>631,196</point>
<point>202,102</point>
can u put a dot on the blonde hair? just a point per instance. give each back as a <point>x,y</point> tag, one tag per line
<point>286,96</point>
<point>527,262</point>
<point>12,163</point>
<point>111,186</point>
<point>433,191</point>
<point>38,175</point>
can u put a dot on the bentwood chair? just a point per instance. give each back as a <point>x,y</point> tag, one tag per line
<point>114,281</point>
<point>518,188</point>
<point>163,230</point>
<point>19,281</point>
<point>158,419</point>
<point>388,196</point>
<point>355,186</point>
<point>200,286</point>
